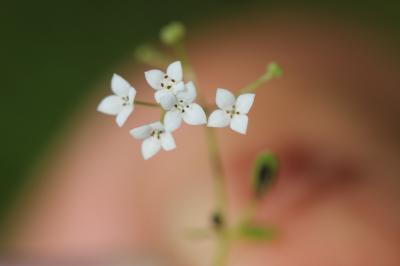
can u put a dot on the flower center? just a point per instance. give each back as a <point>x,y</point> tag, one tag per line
<point>181,106</point>
<point>232,112</point>
<point>156,133</point>
<point>167,82</point>
<point>125,100</point>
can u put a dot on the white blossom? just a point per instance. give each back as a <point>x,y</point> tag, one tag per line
<point>167,84</point>
<point>155,137</point>
<point>121,104</point>
<point>232,111</point>
<point>185,109</point>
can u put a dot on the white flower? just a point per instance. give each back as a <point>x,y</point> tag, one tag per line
<point>121,103</point>
<point>184,108</point>
<point>154,138</point>
<point>232,111</point>
<point>167,85</point>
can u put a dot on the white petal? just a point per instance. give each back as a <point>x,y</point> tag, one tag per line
<point>120,86</point>
<point>180,86</point>
<point>174,71</point>
<point>157,125</point>
<point>189,94</point>
<point>239,123</point>
<point>218,118</point>
<point>194,115</point>
<point>111,105</point>
<point>160,93</point>
<point>172,120</point>
<point>150,147</point>
<point>167,141</point>
<point>123,115</point>
<point>165,98</point>
<point>244,102</point>
<point>224,99</point>
<point>132,95</point>
<point>141,132</point>
<point>154,78</point>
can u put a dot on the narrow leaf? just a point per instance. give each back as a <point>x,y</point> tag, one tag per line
<point>256,232</point>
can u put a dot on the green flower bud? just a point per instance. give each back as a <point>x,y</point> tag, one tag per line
<point>172,33</point>
<point>265,172</point>
<point>274,70</point>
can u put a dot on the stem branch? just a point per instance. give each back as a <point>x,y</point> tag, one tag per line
<point>147,104</point>
<point>254,85</point>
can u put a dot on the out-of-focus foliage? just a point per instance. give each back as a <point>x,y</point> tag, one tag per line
<point>53,51</point>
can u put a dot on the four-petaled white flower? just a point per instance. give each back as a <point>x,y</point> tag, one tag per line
<point>178,101</point>
<point>184,108</point>
<point>155,137</point>
<point>168,84</point>
<point>121,104</point>
<point>232,111</point>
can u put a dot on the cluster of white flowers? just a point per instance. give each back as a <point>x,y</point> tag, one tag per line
<point>178,101</point>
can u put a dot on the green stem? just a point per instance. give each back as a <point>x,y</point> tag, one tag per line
<point>248,213</point>
<point>151,56</point>
<point>216,168</point>
<point>162,116</point>
<point>147,104</point>
<point>254,85</point>
<point>221,255</point>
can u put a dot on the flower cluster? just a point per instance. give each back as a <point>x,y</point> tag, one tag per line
<point>177,99</point>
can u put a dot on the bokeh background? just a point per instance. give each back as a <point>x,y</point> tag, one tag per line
<point>53,52</point>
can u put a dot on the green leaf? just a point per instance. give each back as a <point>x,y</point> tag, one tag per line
<point>265,172</point>
<point>172,33</point>
<point>257,232</point>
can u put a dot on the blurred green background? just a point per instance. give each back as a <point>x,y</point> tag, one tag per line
<point>52,52</point>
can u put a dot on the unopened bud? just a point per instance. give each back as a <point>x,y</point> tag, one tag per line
<point>172,33</point>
